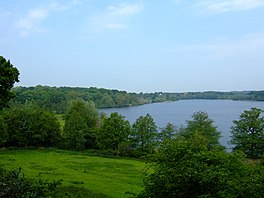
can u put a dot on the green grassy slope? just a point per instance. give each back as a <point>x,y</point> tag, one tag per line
<point>105,177</point>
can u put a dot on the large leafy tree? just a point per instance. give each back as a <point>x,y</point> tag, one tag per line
<point>29,125</point>
<point>113,133</point>
<point>8,76</point>
<point>248,133</point>
<point>201,123</point>
<point>188,168</point>
<point>80,122</point>
<point>144,133</point>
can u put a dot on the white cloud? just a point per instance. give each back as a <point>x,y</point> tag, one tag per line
<point>31,22</point>
<point>219,6</point>
<point>114,17</point>
<point>124,10</point>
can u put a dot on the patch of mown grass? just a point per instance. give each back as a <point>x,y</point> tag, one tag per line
<point>93,175</point>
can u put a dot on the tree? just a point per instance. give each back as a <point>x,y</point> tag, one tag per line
<point>144,133</point>
<point>8,76</point>
<point>114,132</point>
<point>248,133</point>
<point>3,131</point>
<point>188,168</point>
<point>29,125</point>
<point>80,122</point>
<point>167,132</point>
<point>202,124</point>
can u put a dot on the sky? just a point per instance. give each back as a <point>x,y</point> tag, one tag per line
<point>136,45</point>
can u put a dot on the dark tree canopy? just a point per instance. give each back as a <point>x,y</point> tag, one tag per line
<point>201,123</point>
<point>187,168</point>
<point>144,133</point>
<point>29,125</point>
<point>8,76</point>
<point>80,121</point>
<point>3,131</point>
<point>114,132</point>
<point>248,133</point>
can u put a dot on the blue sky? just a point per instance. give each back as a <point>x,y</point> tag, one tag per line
<point>136,45</point>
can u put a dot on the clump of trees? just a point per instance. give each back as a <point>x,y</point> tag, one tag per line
<point>85,128</point>
<point>186,167</point>
<point>192,164</point>
<point>29,125</point>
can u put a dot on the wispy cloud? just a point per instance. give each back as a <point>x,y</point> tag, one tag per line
<point>249,45</point>
<point>115,16</point>
<point>31,22</point>
<point>219,6</point>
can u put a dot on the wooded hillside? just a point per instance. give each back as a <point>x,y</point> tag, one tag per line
<point>56,98</point>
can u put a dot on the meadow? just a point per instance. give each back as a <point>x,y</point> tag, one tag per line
<point>82,173</point>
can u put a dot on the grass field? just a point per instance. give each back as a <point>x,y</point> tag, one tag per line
<point>91,176</point>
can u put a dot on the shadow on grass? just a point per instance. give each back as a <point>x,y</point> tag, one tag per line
<point>74,192</point>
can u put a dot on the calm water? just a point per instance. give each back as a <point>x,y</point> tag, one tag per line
<point>223,112</point>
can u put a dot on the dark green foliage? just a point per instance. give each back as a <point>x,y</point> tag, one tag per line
<point>248,133</point>
<point>3,131</point>
<point>208,95</point>
<point>144,134</point>
<point>80,123</point>
<point>187,168</point>
<point>14,184</point>
<point>8,76</point>
<point>30,125</point>
<point>56,98</point>
<point>113,133</point>
<point>201,123</point>
<point>168,132</point>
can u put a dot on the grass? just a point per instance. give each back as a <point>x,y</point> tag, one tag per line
<point>82,174</point>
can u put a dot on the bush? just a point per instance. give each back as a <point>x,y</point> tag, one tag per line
<point>14,184</point>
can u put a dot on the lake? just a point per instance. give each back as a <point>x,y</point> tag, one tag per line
<point>223,112</point>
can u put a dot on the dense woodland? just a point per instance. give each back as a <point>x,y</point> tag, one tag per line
<point>55,99</point>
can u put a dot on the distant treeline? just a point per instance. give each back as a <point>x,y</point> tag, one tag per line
<point>56,98</point>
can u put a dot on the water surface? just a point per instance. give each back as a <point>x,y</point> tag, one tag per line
<point>223,112</point>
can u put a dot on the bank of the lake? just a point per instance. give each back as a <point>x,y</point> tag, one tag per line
<point>223,112</point>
